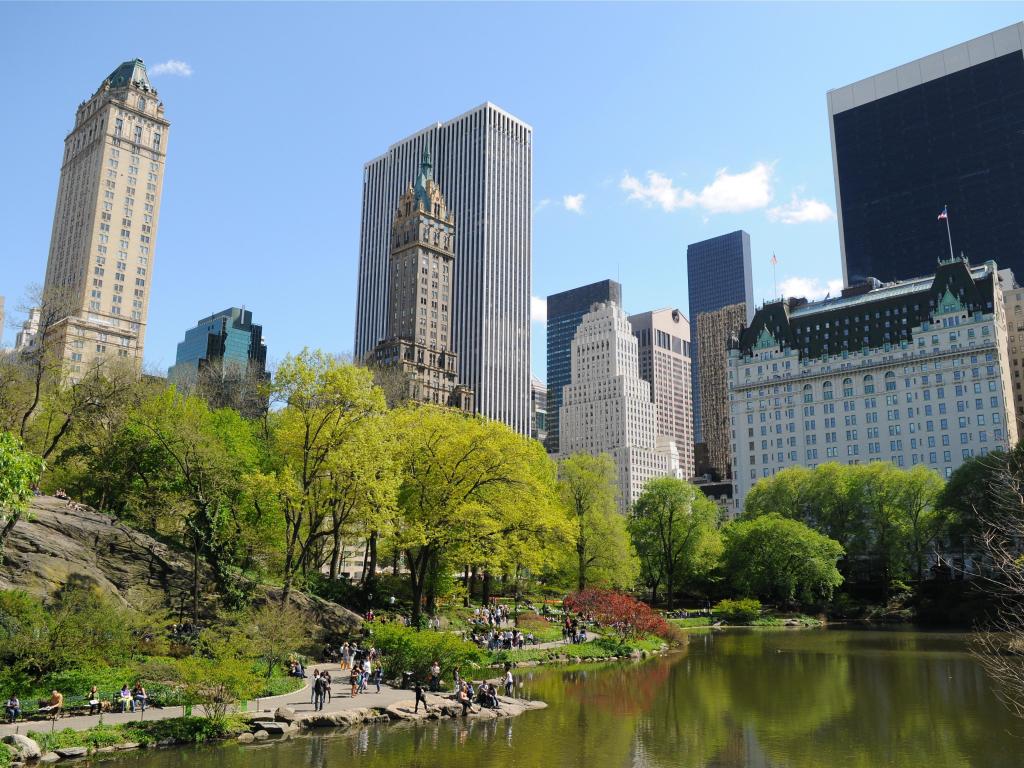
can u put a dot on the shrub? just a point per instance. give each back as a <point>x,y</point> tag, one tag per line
<point>406,649</point>
<point>741,611</point>
<point>628,618</point>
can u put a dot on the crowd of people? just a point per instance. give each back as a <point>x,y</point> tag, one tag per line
<point>128,699</point>
<point>573,631</point>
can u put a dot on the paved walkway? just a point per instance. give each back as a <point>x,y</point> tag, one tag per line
<point>300,701</point>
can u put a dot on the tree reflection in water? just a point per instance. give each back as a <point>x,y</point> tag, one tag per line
<point>777,699</point>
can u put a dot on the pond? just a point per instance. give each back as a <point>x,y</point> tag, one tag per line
<point>771,698</point>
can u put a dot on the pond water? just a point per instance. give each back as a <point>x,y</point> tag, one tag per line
<point>764,698</point>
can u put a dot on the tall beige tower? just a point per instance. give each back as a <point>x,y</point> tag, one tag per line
<point>420,295</point>
<point>104,227</point>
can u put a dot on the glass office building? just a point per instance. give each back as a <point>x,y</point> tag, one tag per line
<point>565,313</point>
<point>718,274</point>
<point>229,337</point>
<point>944,130</point>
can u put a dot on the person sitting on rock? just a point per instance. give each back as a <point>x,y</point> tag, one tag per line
<point>53,706</point>
<point>464,700</point>
<point>12,708</point>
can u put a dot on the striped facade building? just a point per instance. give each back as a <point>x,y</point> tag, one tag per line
<point>483,160</point>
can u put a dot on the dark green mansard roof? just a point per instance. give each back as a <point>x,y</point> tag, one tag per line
<point>128,72</point>
<point>426,174</point>
<point>866,317</point>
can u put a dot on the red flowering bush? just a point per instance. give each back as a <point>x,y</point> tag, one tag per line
<point>628,618</point>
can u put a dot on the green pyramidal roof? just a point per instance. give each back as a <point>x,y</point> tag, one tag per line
<point>426,174</point>
<point>133,71</point>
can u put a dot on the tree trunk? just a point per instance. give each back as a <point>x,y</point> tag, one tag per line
<point>485,596</point>
<point>669,586</point>
<point>581,581</point>
<point>466,584</point>
<point>335,554</point>
<point>370,579</point>
<point>195,582</point>
<point>472,582</point>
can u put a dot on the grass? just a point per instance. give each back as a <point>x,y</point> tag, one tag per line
<point>6,758</point>
<point>763,621</point>
<point>189,730</point>
<point>693,621</point>
<point>602,648</point>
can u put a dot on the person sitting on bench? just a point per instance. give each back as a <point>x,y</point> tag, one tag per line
<point>53,706</point>
<point>124,699</point>
<point>12,708</point>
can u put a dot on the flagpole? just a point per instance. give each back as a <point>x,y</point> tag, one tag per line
<point>950,236</point>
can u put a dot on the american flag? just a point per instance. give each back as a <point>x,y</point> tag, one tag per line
<point>945,213</point>
<point>774,260</point>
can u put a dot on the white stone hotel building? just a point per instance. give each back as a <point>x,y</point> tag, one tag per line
<point>913,372</point>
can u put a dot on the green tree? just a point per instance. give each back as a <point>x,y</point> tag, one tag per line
<point>778,559</point>
<point>920,519</point>
<point>469,486</point>
<point>675,531</point>
<point>19,472</point>
<point>604,553</point>
<point>203,460</point>
<point>326,401</point>
<point>274,633</point>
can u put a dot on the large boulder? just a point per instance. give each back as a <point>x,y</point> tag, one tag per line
<point>65,542</point>
<point>24,747</point>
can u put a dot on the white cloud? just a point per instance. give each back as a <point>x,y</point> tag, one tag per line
<point>542,205</point>
<point>573,203</point>
<point>800,210</point>
<point>810,287</point>
<point>538,310</point>
<point>728,193</point>
<point>171,67</point>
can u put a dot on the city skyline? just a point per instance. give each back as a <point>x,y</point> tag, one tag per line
<point>580,181</point>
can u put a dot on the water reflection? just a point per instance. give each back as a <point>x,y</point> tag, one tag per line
<point>786,699</point>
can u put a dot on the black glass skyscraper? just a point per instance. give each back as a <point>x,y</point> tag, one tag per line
<point>565,312</point>
<point>718,274</point>
<point>947,129</point>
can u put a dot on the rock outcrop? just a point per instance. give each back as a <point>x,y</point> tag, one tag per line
<point>65,543</point>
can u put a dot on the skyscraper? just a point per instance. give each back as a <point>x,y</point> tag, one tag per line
<point>663,349</point>
<point>104,227</point>
<point>714,330</point>
<point>718,274</point>
<point>420,303</point>
<point>483,160</point>
<point>942,130</point>
<point>565,311</point>
<point>607,406</point>
<point>229,338</point>
<point>538,409</point>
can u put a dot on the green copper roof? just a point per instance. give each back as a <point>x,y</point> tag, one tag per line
<point>133,71</point>
<point>426,174</point>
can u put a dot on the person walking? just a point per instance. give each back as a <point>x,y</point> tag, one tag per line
<point>346,657</point>
<point>319,691</point>
<point>312,688</point>
<point>353,679</point>
<point>509,682</point>
<point>421,697</point>
<point>327,678</point>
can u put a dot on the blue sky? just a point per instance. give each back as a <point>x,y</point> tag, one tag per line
<point>654,126</point>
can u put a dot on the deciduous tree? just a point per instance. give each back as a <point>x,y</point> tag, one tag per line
<point>675,531</point>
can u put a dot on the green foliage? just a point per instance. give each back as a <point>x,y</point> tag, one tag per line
<point>743,611</point>
<point>885,518</point>
<point>674,527</point>
<point>407,649</point>
<point>604,555</point>
<point>19,472</point>
<point>472,491</point>
<point>780,559</point>
<point>82,627</point>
